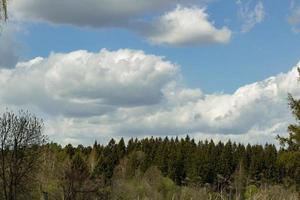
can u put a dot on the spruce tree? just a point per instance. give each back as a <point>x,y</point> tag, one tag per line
<point>121,148</point>
<point>75,178</point>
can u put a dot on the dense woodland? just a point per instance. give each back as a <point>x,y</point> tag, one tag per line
<point>103,171</point>
<point>150,168</point>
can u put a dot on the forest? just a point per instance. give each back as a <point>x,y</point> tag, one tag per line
<point>149,168</point>
<point>155,168</point>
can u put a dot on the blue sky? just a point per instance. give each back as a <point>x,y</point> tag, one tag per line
<point>170,67</point>
<point>267,49</point>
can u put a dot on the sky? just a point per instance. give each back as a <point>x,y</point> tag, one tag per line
<point>98,69</point>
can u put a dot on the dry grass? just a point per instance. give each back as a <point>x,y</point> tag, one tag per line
<point>274,193</point>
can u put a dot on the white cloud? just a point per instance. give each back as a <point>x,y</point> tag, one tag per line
<point>85,96</point>
<point>94,13</point>
<point>180,27</point>
<point>82,83</point>
<point>250,15</point>
<point>185,26</point>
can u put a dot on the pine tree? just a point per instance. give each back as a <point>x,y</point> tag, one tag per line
<point>256,168</point>
<point>70,150</point>
<point>270,159</point>
<point>121,149</point>
<point>75,177</point>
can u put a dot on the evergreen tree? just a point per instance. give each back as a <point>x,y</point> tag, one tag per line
<point>271,172</point>
<point>70,150</point>
<point>121,149</point>
<point>256,168</point>
<point>226,161</point>
<point>75,177</point>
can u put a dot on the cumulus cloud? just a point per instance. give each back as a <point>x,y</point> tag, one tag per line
<point>251,15</point>
<point>185,26</point>
<point>85,96</point>
<point>82,83</point>
<point>94,13</point>
<point>180,27</point>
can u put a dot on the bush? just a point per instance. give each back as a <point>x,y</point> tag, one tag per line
<point>251,190</point>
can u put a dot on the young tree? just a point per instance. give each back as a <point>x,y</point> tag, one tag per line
<point>20,138</point>
<point>239,181</point>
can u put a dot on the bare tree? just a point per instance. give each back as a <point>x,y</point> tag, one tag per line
<point>20,138</point>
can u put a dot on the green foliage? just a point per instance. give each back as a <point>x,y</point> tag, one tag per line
<point>150,168</point>
<point>271,192</point>
<point>166,168</point>
<point>251,190</point>
<point>291,163</point>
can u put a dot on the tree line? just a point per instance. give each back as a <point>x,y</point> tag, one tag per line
<point>219,166</point>
<point>31,168</point>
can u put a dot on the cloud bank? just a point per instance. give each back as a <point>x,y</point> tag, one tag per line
<point>85,96</point>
